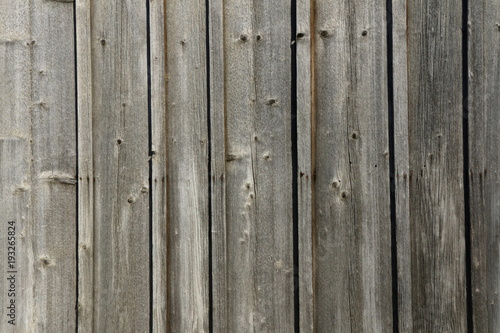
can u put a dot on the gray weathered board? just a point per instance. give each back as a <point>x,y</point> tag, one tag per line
<point>253,166</point>
<point>352,226</point>
<point>484,166</point>
<point>38,165</point>
<point>429,171</point>
<point>192,166</point>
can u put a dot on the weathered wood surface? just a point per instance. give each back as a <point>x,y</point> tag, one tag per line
<point>219,244</point>
<point>38,163</point>
<point>15,160</point>
<point>86,248</point>
<point>187,166</point>
<point>305,39</point>
<point>401,165</point>
<point>257,229</point>
<point>435,298</point>
<point>352,274</point>
<point>53,126</point>
<point>484,164</point>
<point>15,195</point>
<point>118,93</point>
<point>181,165</point>
<point>158,166</point>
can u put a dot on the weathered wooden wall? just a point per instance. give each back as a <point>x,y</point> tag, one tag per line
<point>250,166</point>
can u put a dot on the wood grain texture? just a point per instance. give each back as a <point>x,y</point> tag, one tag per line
<point>15,160</point>
<point>39,149</point>
<point>159,164</point>
<point>401,161</point>
<point>118,39</point>
<point>218,167</point>
<point>205,160</point>
<point>187,167</point>
<point>53,124</point>
<point>86,246</point>
<point>484,163</point>
<point>258,173</point>
<point>16,198</point>
<point>351,189</point>
<point>435,230</point>
<point>305,40</point>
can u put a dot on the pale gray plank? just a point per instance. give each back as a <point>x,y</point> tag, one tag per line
<point>187,167</point>
<point>53,124</point>
<point>85,167</point>
<point>218,167</point>
<point>38,137</point>
<point>351,189</point>
<point>484,152</point>
<point>15,162</point>
<point>258,166</point>
<point>305,140</point>
<point>434,235</point>
<point>401,160</point>
<point>159,162</point>
<point>118,39</point>
<point>15,194</point>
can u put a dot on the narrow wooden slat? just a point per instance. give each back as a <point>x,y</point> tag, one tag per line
<point>159,162</point>
<point>352,204</point>
<point>218,167</point>
<point>258,175</point>
<point>401,161</point>
<point>484,163</point>
<point>15,163</point>
<point>39,150</point>
<point>53,124</point>
<point>118,39</point>
<point>85,167</point>
<point>305,39</point>
<point>433,235</point>
<point>187,167</point>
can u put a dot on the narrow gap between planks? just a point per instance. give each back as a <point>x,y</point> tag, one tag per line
<point>465,136</point>
<point>295,161</point>
<point>150,163</point>
<point>209,147</point>
<point>77,175</point>
<point>392,167</point>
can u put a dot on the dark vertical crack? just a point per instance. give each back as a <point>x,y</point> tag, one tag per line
<point>295,164</point>
<point>150,162</point>
<point>392,166</point>
<point>465,136</point>
<point>77,217</point>
<point>209,147</point>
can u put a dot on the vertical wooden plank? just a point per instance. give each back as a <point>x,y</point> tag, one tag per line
<point>118,38</point>
<point>401,161</point>
<point>436,199</point>
<point>53,124</point>
<point>187,167</point>
<point>15,165</point>
<point>39,119</point>
<point>258,176</point>
<point>86,246</point>
<point>218,167</point>
<point>305,140</point>
<point>159,163</point>
<point>484,163</point>
<point>352,202</point>
<point>18,308</point>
